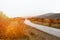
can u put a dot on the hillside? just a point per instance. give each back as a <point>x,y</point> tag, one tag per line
<point>49,19</point>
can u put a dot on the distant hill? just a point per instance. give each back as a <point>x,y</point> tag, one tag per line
<point>50,16</point>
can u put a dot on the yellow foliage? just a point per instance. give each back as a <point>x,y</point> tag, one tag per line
<point>12,26</point>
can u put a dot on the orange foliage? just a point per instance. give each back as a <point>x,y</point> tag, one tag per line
<point>3,24</point>
<point>12,27</point>
<point>55,21</point>
<point>58,21</point>
<point>46,20</point>
<point>16,28</point>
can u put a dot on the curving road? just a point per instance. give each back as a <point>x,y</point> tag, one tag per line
<point>49,30</point>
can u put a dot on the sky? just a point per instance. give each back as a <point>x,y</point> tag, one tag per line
<point>25,8</point>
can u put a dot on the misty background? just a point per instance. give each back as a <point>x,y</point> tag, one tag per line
<point>24,8</point>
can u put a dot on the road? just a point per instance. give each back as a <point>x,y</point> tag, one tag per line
<point>49,30</point>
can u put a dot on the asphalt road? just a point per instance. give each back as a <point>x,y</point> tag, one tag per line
<point>49,30</point>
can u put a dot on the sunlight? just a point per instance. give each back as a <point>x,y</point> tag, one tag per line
<point>24,8</point>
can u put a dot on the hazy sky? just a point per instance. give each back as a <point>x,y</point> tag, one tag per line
<point>29,7</point>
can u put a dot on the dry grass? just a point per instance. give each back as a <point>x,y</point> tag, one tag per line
<point>15,29</point>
